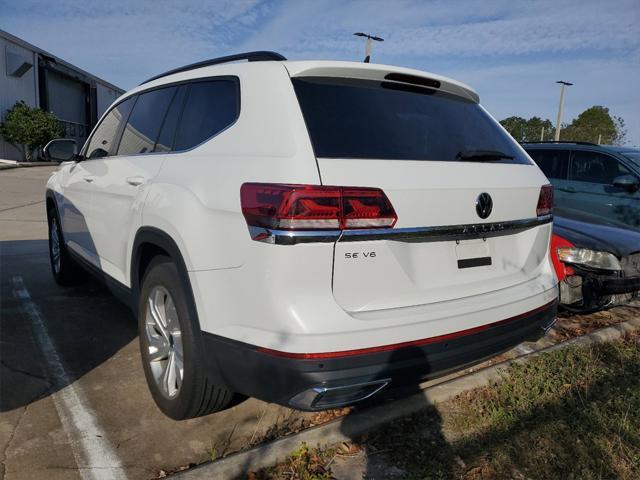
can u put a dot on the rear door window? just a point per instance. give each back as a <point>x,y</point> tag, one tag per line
<point>142,129</point>
<point>103,138</point>
<point>554,163</point>
<point>352,118</point>
<point>210,107</point>
<point>594,167</point>
<point>168,130</point>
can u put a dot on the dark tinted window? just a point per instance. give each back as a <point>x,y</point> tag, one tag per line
<point>349,118</point>
<point>168,131</point>
<point>554,163</point>
<point>143,126</point>
<point>104,135</point>
<point>633,156</point>
<point>210,107</point>
<point>594,167</point>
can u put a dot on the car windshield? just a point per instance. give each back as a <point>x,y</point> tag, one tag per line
<point>351,118</point>
<point>634,157</point>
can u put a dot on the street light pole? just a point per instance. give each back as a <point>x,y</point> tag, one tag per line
<point>561,107</point>
<point>368,45</point>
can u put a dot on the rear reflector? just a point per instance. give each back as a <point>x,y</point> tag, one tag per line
<point>545,201</point>
<point>314,207</point>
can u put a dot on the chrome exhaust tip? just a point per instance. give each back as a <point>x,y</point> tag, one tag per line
<point>323,397</point>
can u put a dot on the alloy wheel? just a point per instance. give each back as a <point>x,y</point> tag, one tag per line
<point>164,341</point>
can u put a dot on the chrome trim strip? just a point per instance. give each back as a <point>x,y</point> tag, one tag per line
<point>287,237</point>
<point>445,233</point>
<point>415,234</point>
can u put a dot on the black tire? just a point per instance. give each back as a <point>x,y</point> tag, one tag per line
<point>196,395</point>
<point>64,268</point>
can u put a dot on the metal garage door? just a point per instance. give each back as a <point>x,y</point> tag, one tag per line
<point>67,99</point>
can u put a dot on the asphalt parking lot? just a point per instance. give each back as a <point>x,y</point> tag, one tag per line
<point>73,398</point>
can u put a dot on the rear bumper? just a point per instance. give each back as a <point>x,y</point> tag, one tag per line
<point>326,380</point>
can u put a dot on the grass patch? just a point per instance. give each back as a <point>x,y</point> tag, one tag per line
<point>571,414</point>
<point>303,464</point>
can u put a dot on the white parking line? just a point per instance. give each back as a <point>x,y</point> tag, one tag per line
<point>95,457</point>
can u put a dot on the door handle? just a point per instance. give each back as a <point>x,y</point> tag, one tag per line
<point>568,189</point>
<point>89,178</point>
<point>135,181</point>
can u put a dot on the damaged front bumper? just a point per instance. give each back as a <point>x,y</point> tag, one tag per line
<point>586,290</point>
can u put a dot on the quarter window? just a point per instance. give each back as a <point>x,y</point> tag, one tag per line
<point>104,135</point>
<point>594,167</point>
<point>210,107</point>
<point>143,126</point>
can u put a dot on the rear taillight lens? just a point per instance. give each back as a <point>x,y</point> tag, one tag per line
<point>562,270</point>
<point>312,207</point>
<point>545,201</point>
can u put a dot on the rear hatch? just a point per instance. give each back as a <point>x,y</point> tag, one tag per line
<point>435,152</point>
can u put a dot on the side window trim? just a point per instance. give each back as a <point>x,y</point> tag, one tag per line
<point>121,127</point>
<point>565,171</point>
<point>570,166</point>
<point>164,119</point>
<point>83,152</point>
<point>186,86</point>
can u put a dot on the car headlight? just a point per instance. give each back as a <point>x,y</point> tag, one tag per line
<point>589,258</point>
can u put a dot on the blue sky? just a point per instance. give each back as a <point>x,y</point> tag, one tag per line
<point>511,52</point>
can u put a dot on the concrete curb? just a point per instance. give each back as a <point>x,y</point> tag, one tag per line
<point>9,166</point>
<point>347,428</point>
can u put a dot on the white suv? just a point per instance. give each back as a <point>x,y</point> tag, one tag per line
<point>305,232</point>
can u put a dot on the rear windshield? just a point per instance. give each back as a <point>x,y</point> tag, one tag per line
<point>350,118</point>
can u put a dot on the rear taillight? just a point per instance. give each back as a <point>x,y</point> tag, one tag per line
<point>312,207</point>
<point>562,270</point>
<point>545,201</point>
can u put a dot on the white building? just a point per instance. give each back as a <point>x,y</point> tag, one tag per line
<point>43,80</point>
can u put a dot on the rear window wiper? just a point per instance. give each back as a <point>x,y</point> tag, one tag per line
<point>482,156</point>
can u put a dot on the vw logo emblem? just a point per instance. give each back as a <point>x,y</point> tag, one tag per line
<point>484,205</point>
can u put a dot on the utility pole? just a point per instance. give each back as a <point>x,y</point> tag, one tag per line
<point>561,106</point>
<point>367,48</point>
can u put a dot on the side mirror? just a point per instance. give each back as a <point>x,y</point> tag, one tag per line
<point>627,182</point>
<point>60,150</point>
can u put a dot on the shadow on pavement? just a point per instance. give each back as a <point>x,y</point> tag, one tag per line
<point>406,385</point>
<point>85,322</point>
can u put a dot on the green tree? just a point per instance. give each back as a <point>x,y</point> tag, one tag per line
<point>528,130</point>
<point>515,126</point>
<point>596,123</point>
<point>28,128</point>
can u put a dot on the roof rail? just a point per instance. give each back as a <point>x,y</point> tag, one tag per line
<point>259,56</point>
<point>566,141</point>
